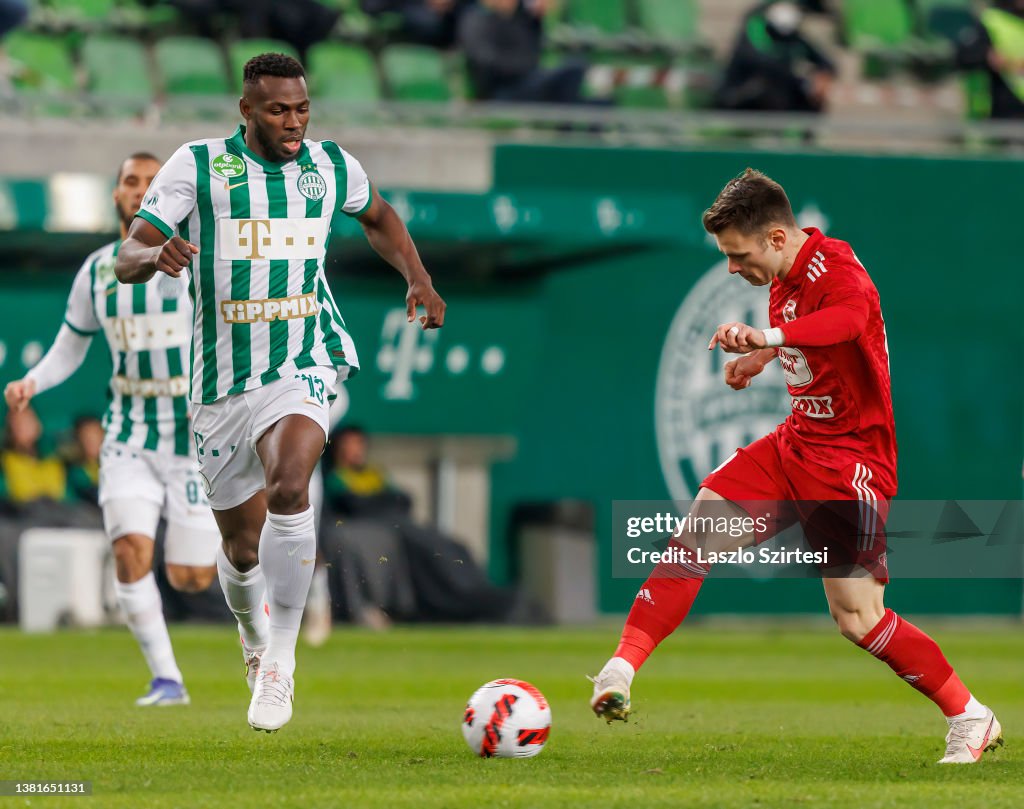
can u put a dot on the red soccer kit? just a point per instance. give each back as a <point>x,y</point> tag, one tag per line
<point>833,460</point>
<point>839,443</point>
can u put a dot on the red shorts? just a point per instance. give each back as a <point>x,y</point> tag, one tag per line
<point>838,509</point>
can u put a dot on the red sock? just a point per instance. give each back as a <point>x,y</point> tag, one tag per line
<point>916,658</point>
<point>660,606</point>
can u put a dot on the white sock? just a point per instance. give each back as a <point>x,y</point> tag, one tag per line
<point>140,602</point>
<point>287,556</point>
<point>246,595</point>
<point>972,710</point>
<point>621,665</point>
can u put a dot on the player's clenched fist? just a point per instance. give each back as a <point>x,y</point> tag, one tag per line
<point>738,373</point>
<point>175,255</point>
<point>19,393</point>
<point>737,338</point>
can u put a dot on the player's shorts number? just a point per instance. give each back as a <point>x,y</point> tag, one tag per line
<point>192,493</point>
<point>316,386</point>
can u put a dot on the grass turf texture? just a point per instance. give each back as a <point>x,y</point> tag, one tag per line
<point>722,718</point>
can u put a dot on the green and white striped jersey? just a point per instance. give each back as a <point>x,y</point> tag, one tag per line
<point>262,305</point>
<point>148,329</point>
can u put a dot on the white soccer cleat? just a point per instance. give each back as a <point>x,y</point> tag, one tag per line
<point>969,738</point>
<point>252,658</point>
<point>611,695</point>
<point>271,705</point>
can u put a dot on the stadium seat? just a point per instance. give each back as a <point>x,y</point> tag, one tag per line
<point>116,68</point>
<point>882,31</point>
<point>191,66</point>
<point>606,16</point>
<point>40,63</point>
<point>669,19</point>
<point>415,73</point>
<point>83,13</point>
<point>343,73</point>
<point>870,23</point>
<point>242,50</point>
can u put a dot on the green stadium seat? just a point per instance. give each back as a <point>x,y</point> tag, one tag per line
<point>669,19</point>
<point>342,73</point>
<point>116,68</point>
<point>94,12</point>
<point>40,63</point>
<point>242,50</point>
<point>606,16</point>
<point>415,73</point>
<point>159,19</point>
<point>870,23</point>
<point>882,31</point>
<point>191,66</point>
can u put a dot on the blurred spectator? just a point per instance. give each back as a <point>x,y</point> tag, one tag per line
<point>83,460</point>
<point>26,476</point>
<point>12,14</point>
<point>502,41</point>
<point>994,44</point>
<point>382,566</point>
<point>773,67</point>
<point>300,23</point>
<point>427,22</point>
<point>355,488</point>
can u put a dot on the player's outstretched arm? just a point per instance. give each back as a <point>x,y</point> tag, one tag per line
<point>146,252</point>
<point>388,235</point>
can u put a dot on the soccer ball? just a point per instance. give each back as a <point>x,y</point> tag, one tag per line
<point>507,719</point>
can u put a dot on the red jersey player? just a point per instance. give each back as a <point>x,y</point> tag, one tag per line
<point>838,446</point>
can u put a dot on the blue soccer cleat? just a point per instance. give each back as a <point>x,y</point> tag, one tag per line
<point>164,692</point>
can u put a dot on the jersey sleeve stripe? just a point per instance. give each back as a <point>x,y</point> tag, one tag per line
<point>156,222</point>
<point>365,208</point>
<point>76,330</point>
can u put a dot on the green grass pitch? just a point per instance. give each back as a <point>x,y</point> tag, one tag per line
<point>722,718</point>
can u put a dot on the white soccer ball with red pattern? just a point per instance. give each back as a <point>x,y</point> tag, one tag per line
<point>506,719</point>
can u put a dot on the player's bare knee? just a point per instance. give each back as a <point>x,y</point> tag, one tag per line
<point>243,554</point>
<point>287,496</point>
<point>189,578</point>
<point>131,560</point>
<point>853,624</point>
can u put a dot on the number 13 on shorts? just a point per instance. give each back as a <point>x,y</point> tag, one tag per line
<point>316,388</point>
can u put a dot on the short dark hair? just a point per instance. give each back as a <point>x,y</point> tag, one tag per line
<point>280,65</point>
<point>83,419</point>
<point>350,429</point>
<point>134,156</point>
<point>751,203</point>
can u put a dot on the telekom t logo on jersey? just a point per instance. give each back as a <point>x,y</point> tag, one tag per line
<point>271,239</point>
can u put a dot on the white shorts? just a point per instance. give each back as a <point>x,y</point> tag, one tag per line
<point>226,431</point>
<point>138,485</point>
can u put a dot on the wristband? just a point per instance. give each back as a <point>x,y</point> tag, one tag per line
<point>773,338</point>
